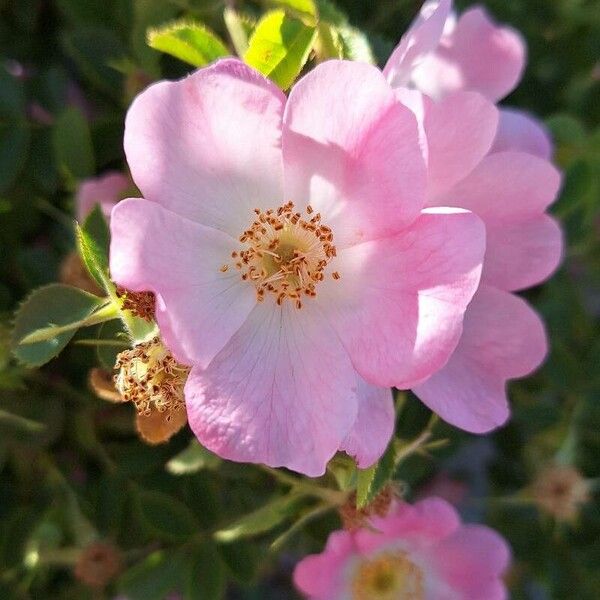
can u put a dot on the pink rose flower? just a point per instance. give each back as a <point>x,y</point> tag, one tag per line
<point>293,263</point>
<point>496,164</point>
<point>418,552</point>
<point>440,54</point>
<point>105,190</point>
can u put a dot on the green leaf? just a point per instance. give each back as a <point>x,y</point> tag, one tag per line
<point>107,354</point>
<point>303,8</point>
<point>165,517</point>
<point>149,13</point>
<point>92,243</point>
<point>239,27</point>
<point>94,49</point>
<point>55,304</point>
<point>329,42</point>
<point>280,46</point>
<point>12,96</point>
<point>191,42</point>
<point>193,459</point>
<point>14,130</point>
<point>73,144</point>
<point>206,574</point>
<point>343,468</point>
<point>372,480</point>
<point>241,560</point>
<point>262,520</point>
<point>330,13</point>
<point>14,144</point>
<point>356,45</point>
<point>154,577</point>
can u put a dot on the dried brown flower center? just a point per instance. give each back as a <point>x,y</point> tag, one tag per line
<point>389,576</point>
<point>141,304</point>
<point>560,491</point>
<point>150,377</point>
<point>285,254</point>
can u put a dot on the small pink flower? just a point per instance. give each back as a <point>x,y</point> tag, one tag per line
<point>418,552</point>
<point>440,54</point>
<point>293,264</point>
<point>105,190</point>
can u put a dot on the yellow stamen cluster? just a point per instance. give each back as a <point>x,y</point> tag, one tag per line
<point>151,378</point>
<point>389,576</point>
<point>286,253</point>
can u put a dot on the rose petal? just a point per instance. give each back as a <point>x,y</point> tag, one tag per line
<point>472,561</point>
<point>348,147</point>
<point>519,131</point>
<point>507,186</point>
<point>208,146</point>
<point>421,524</point>
<point>399,304</point>
<point>105,191</point>
<point>421,38</point>
<point>374,424</point>
<point>477,55</point>
<point>520,255</point>
<point>503,338</point>
<point>320,576</point>
<point>282,392</point>
<point>460,130</point>
<point>153,249</point>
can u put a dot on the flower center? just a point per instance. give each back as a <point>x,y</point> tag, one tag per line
<point>389,576</point>
<point>285,253</point>
<point>151,378</point>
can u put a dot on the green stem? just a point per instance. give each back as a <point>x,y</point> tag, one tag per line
<point>306,518</point>
<point>109,343</point>
<point>21,422</point>
<point>333,497</point>
<point>107,312</point>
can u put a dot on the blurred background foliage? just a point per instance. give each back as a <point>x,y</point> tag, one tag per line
<point>75,478</point>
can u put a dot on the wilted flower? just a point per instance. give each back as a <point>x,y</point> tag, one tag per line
<point>150,378</point>
<point>292,264</point>
<point>139,304</point>
<point>419,552</point>
<point>98,564</point>
<point>560,491</point>
<point>494,163</point>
